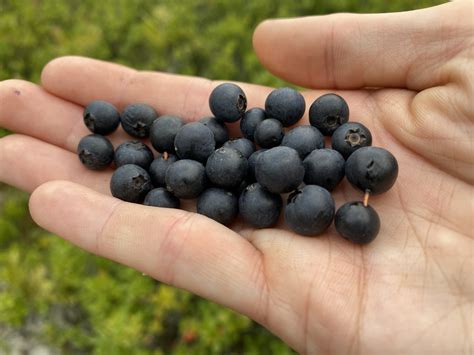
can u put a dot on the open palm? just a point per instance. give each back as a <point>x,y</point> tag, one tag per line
<point>410,291</point>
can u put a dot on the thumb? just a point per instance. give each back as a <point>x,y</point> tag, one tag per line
<point>348,51</point>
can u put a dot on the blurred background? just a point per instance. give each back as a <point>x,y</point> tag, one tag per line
<point>56,299</point>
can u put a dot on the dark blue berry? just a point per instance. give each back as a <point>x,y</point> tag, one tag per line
<point>286,105</point>
<point>186,178</point>
<point>163,132</point>
<point>133,152</point>
<point>324,167</point>
<point>309,211</point>
<point>226,167</point>
<point>349,137</point>
<point>160,197</point>
<point>372,169</point>
<point>218,204</point>
<point>279,169</point>
<point>158,168</point>
<point>250,121</point>
<point>95,152</point>
<point>101,117</point>
<point>269,133</point>
<point>221,133</point>
<point>137,119</point>
<point>328,112</point>
<point>252,163</point>
<point>228,102</point>
<point>358,223</point>
<point>194,141</point>
<point>243,145</point>
<point>303,139</point>
<point>259,207</point>
<point>130,183</point>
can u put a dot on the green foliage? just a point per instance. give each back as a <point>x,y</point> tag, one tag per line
<point>79,303</point>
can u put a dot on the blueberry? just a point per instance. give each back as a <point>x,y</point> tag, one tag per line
<point>286,105</point>
<point>158,168</point>
<point>218,204</point>
<point>328,112</point>
<point>372,169</point>
<point>309,211</point>
<point>130,183</point>
<point>358,223</point>
<point>349,137</point>
<point>221,133</point>
<point>228,102</point>
<point>163,131</point>
<point>243,145</point>
<point>324,167</point>
<point>226,167</point>
<point>160,197</point>
<point>279,169</point>
<point>250,121</point>
<point>269,133</point>
<point>186,178</point>
<point>303,139</point>
<point>95,152</point>
<point>137,119</point>
<point>252,163</point>
<point>259,207</point>
<point>133,152</point>
<point>194,141</point>
<point>101,117</point>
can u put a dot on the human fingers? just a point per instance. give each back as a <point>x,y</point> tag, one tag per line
<point>409,49</point>
<point>179,248</point>
<point>27,163</point>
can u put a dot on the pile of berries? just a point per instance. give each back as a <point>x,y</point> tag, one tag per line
<point>231,176</point>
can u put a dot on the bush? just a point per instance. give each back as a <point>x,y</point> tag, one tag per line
<point>52,292</point>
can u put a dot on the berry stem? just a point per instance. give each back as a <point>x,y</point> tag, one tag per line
<point>165,156</point>
<point>366,197</point>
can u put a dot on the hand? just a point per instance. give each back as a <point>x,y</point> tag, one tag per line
<point>411,290</point>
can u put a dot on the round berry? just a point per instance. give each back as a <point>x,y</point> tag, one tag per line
<point>303,139</point>
<point>130,183</point>
<point>324,167</point>
<point>137,119</point>
<point>221,133</point>
<point>372,169</point>
<point>158,168</point>
<point>328,112</point>
<point>133,152</point>
<point>286,105</point>
<point>186,178</point>
<point>243,145</point>
<point>163,131</point>
<point>358,223</point>
<point>309,211</point>
<point>259,207</point>
<point>101,117</point>
<point>160,197</point>
<point>95,152</point>
<point>349,137</point>
<point>250,121</point>
<point>226,167</point>
<point>269,133</point>
<point>228,102</point>
<point>218,204</point>
<point>279,169</point>
<point>194,141</point>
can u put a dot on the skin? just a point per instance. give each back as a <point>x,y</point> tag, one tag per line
<point>410,291</point>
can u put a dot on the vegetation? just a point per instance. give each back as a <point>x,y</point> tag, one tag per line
<point>77,303</point>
